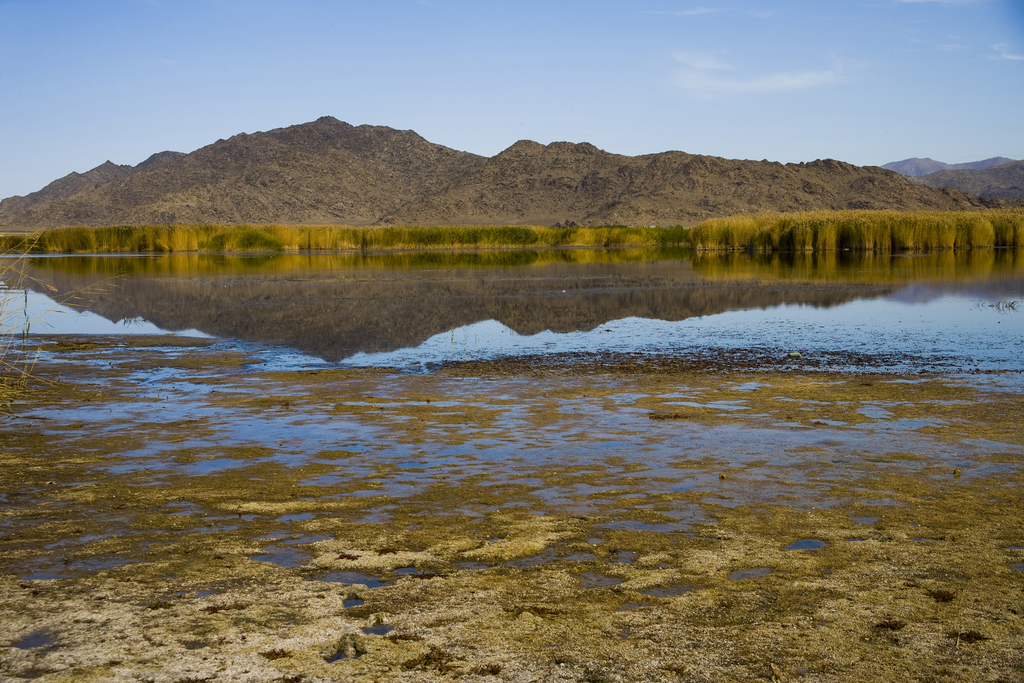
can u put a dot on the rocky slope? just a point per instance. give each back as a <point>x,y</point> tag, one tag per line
<point>73,183</point>
<point>328,171</point>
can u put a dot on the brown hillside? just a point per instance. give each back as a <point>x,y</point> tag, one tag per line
<point>330,172</point>
<point>73,183</point>
<point>535,184</point>
<point>326,171</point>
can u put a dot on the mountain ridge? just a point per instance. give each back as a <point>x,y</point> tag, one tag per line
<point>916,167</point>
<point>330,172</point>
<point>1003,182</point>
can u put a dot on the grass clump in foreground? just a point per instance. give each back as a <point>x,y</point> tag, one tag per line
<point>15,366</point>
<point>277,238</point>
<point>885,231</point>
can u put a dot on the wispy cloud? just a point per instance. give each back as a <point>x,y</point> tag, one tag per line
<point>701,60</point>
<point>703,77</point>
<point>707,85</point>
<point>1002,49</point>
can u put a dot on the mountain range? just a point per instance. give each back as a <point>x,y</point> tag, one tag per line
<point>330,172</point>
<point>1005,181</point>
<point>918,167</point>
<point>996,178</point>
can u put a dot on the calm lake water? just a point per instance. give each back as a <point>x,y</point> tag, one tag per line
<point>962,311</point>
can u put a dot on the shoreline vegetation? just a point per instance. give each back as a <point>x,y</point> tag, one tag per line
<point>813,231</point>
<point>885,231</point>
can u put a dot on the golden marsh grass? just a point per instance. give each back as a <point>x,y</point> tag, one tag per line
<point>812,231</point>
<point>277,238</point>
<point>886,231</point>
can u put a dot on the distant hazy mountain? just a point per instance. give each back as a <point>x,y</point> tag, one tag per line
<point>1005,181</point>
<point>919,167</point>
<point>330,172</point>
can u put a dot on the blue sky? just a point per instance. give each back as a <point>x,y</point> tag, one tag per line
<point>867,81</point>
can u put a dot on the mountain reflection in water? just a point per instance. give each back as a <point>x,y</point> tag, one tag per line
<point>336,305</point>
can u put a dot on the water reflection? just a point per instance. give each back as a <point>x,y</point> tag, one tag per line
<point>335,306</point>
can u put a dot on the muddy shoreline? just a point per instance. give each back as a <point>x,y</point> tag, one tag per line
<point>172,512</point>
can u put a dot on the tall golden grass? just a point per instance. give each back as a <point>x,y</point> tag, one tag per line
<point>818,231</point>
<point>885,231</point>
<point>278,238</point>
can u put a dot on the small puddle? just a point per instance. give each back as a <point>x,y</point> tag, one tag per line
<point>580,557</point>
<point>340,656</point>
<point>624,557</point>
<point>354,578</point>
<point>286,553</point>
<point>532,561</point>
<point>472,565</point>
<point>376,517</point>
<point>378,630</point>
<point>295,518</point>
<point>1017,567</point>
<point>749,573</point>
<point>354,602</point>
<point>414,572</point>
<point>875,412</point>
<point>34,640</point>
<point>595,580</point>
<point>214,465</point>
<point>806,544</point>
<point>366,493</point>
<point>42,576</point>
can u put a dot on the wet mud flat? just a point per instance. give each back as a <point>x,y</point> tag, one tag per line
<point>174,510</point>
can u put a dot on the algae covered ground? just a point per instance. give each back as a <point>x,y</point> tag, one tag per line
<point>175,510</point>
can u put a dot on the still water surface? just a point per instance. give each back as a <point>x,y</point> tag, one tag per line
<point>415,310</point>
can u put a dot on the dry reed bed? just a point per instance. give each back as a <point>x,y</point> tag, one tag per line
<point>179,238</point>
<point>818,231</point>
<point>861,231</point>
